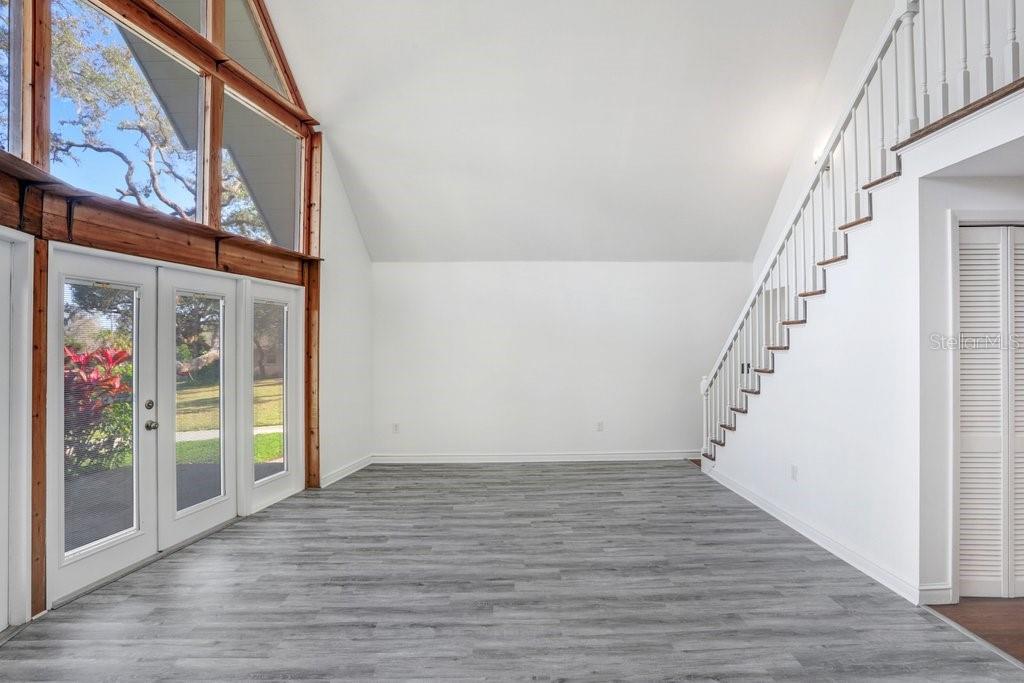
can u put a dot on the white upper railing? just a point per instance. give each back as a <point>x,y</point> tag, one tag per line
<point>905,88</point>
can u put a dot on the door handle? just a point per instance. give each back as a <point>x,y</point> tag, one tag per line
<point>151,425</point>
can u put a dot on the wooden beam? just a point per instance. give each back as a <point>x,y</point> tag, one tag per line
<point>213,141</point>
<point>312,397</point>
<point>215,27</point>
<point>313,190</point>
<point>38,91</point>
<point>39,314</point>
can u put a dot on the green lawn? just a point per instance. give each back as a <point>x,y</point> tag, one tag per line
<point>269,447</point>
<point>198,405</point>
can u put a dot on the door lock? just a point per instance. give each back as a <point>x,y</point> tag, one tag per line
<point>149,404</point>
<point>151,425</point>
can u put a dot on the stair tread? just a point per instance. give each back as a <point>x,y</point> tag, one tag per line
<point>765,371</point>
<point>813,292</point>
<point>778,348</point>
<point>794,322</point>
<point>834,259</point>
<point>709,456</point>
<point>878,181</point>
<point>735,409</point>
<point>854,223</point>
<point>718,442</point>
<point>752,392</point>
<point>723,425</point>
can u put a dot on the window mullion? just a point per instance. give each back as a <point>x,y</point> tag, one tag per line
<point>213,138</point>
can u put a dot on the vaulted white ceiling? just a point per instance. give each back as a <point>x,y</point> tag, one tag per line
<point>560,129</point>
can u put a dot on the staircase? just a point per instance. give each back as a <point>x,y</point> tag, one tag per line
<point>901,100</point>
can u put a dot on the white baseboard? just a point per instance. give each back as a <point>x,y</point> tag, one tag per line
<point>885,577</point>
<point>469,458</point>
<point>570,456</point>
<point>935,594</point>
<point>345,470</point>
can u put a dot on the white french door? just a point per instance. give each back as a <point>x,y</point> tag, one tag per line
<point>174,405</point>
<point>273,370</point>
<point>197,395</point>
<point>101,395</point>
<point>990,406</point>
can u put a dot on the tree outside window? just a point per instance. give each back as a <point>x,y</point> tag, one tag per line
<point>125,121</point>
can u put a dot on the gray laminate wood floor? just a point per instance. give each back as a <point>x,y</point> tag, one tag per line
<point>591,571</point>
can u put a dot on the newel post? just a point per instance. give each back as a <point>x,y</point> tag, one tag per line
<point>908,80</point>
<point>704,414</point>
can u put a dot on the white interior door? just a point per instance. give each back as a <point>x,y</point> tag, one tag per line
<point>8,429</point>
<point>101,460</point>
<point>273,378</point>
<point>990,402</point>
<point>1015,468</point>
<point>197,405</point>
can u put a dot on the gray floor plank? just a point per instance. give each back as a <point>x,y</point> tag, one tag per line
<point>581,571</point>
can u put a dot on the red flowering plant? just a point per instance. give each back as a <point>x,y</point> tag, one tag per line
<point>97,409</point>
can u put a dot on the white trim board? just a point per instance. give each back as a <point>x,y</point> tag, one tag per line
<point>345,470</point>
<point>935,594</point>
<point>851,557</point>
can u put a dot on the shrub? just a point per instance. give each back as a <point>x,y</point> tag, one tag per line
<point>97,410</point>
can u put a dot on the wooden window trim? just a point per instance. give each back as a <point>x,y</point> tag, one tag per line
<point>220,73</point>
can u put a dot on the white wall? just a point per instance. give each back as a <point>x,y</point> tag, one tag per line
<point>345,333</point>
<point>842,408</point>
<point>527,357</point>
<point>858,43</point>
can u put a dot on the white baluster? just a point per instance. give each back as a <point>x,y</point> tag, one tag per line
<point>926,104</point>
<point>1012,46</point>
<point>986,47</point>
<point>832,204</point>
<point>883,151</point>
<point>867,132</point>
<point>907,83</point>
<point>857,184</point>
<point>801,285</point>
<point>846,178</point>
<point>811,206</point>
<point>896,120</point>
<point>943,85</point>
<point>965,72</point>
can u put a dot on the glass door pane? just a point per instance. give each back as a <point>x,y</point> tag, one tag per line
<point>198,439</point>
<point>269,354</point>
<point>99,412</point>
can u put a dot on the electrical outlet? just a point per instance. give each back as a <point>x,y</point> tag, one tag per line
<point>599,427</point>
<point>395,428</point>
<point>792,472</point>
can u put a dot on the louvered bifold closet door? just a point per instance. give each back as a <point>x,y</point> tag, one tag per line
<point>983,382</point>
<point>1015,487</point>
